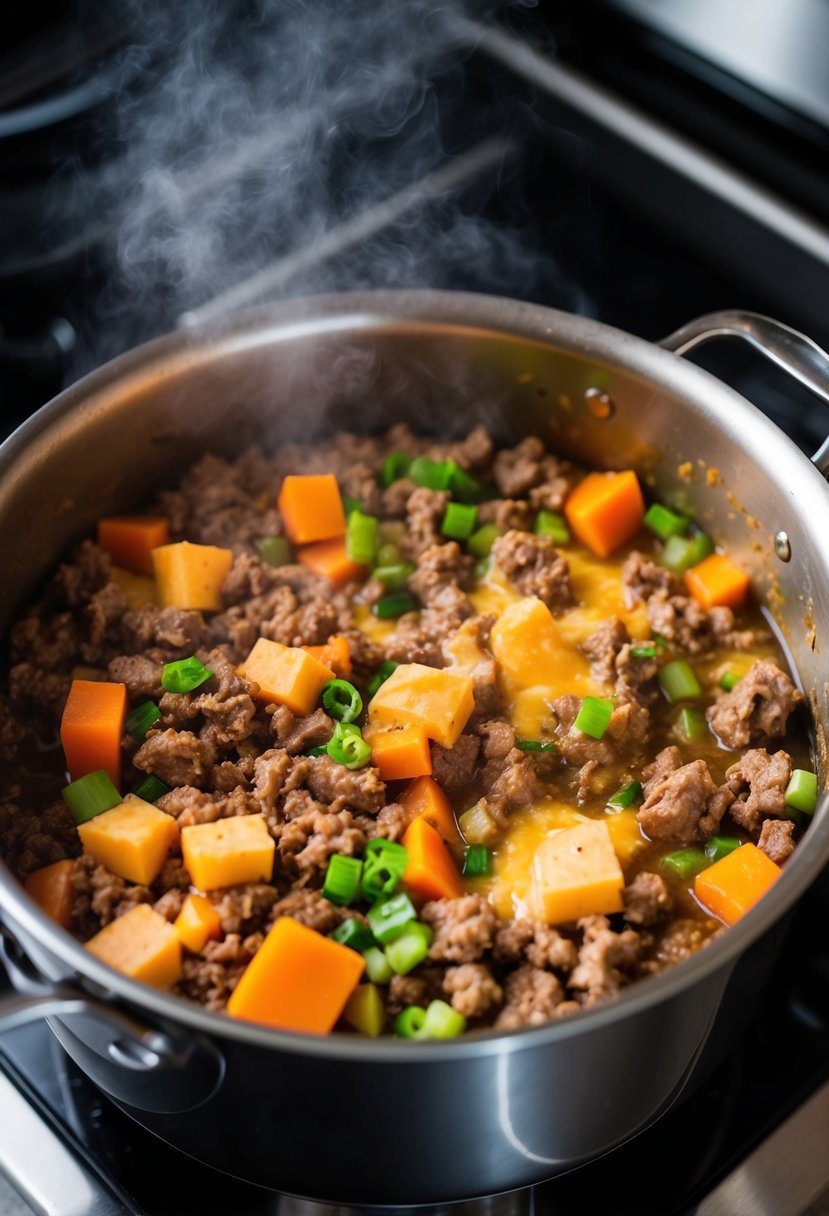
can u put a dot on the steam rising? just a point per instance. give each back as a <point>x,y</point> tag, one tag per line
<point>251,130</point>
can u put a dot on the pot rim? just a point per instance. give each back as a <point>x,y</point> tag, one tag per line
<point>389,311</point>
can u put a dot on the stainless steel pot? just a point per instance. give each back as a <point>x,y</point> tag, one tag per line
<point>393,1122</point>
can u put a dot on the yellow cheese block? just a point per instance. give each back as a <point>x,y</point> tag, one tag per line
<point>228,851</point>
<point>530,650</point>
<point>287,675</point>
<point>132,839</point>
<point>513,864</point>
<point>626,835</point>
<point>191,576</point>
<point>439,701</point>
<point>142,945</point>
<point>576,873</point>
<point>137,588</point>
<point>197,921</point>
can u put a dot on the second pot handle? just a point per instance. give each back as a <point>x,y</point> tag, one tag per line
<point>798,355</point>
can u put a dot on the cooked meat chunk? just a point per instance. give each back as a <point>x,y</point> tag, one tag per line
<point>472,988</point>
<point>337,786</point>
<point>685,805</point>
<point>464,928</point>
<point>142,676</point>
<point>628,728</point>
<point>306,841</point>
<point>680,620</point>
<point>518,469</point>
<point>298,735</point>
<point>757,709</point>
<point>531,997</point>
<point>647,899</point>
<point>636,676</point>
<point>507,514</point>
<point>667,761</point>
<point>311,909</point>
<point>535,567</point>
<point>454,768</point>
<point>424,515</point>
<point>606,959</point>
<point>440,567</point>
<point>603,647</point>
<point>758,782</point>
<point>642,578</point>
<point>777,840</point>
<point>177,757</point>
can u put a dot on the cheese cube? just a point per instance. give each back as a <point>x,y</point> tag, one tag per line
<point>575,872</point>
<point>142,945</point>
<point>197,921</point>
<point>132,839</point>
<point>191,576</point>
<point>530,651</point>
<point>287,675</point>
<point>439,701</point>
<point>228,852</point>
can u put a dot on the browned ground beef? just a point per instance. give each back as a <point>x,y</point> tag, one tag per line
<point>224,753</point>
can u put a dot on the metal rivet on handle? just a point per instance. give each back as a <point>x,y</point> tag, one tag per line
<point>782,546</point>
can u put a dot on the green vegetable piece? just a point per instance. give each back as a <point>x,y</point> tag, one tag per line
<point>354,934</point>
<point>341,700</point>
<point>388,555</point>
<point>389,918</point>
<point>678,682</point>
<point>378,967</point>
<point>392,606</point>
<point>434,474</point>
<point>394,578</point>
<point>380,676</point>
<point>184,675</point>
<point>535,745</point>
<point>645,651</point>
<point>626,796</point>
<point>682,552</point>
<point>480,543</point>
<point>442,1021</point>
<point>384,865</point>
<point>348,747</point>
<point>693,723</point>
<point>395,466</point>
<point>139,720</point>
<point>365,1011</point>
<point>801,792</point>
<point>478,861</point>
<point>665,523</point>
<point>685,863</point>
<point>151,788</point>
<point>409,1022</point>
<point>410,948</point>
<point>342,879</point>
<point>322,750</point>
<point>594,716</point>
<point>351,504</point>
<point>90,796</point>
<point>729,680</point>
<point>361,538</point>
<point>477,825</point>
<point>720,846</point>
<point>274,550</point>
<point>459,521</point>
<point>462,485</point>
<point>550,523</point>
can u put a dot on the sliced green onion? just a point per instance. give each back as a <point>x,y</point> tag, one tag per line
<point>410,948</point>
<point>647,651</point>
<point>720,846</point>
<point>660,642</point>
<point>378,967</point>
<point>729,680</point>
<point>151,788</point>
<point>384,865</point>
<point>388,554</point>
<point>535,745</point>
<point>665,523</point>
<point>462,484</point>
<point>348,747</point>
<point>365,1011</point>
<point>139,720</point>
<point>350,505</point>
<point>626,796</point>
<point>394,578</point>
<point>354,934</point>
<point>434,474</point>
<point>274,550</point>
<point>480,543</point>
<point>341,700</point>
<point>380,676</point>
<point>594,716</point>
<point>685,863</point>
<point>184,675</point>
<point>678,682</point>
<point>801,792</point>
<point>442,1021</point>
<point>477,825</point>
<point>342,879</point>
<point>693,723</point>
<point>395,466</point>
<point>478,861</point>
<point>389,918</point>
<point>322,750</point>
<point>482,568</point>
<point>361,538</point>
<point>90,796</point>
<point>391,606</point>
<point>409,1022</point>
<point>680,553</point>
<point>459,521</point>
<point>550,523</point>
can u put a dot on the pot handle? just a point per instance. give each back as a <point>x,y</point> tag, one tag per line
<point>789,349</point>
<point>127,1060</point>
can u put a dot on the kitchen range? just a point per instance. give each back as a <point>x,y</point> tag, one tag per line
<point>616,160</point>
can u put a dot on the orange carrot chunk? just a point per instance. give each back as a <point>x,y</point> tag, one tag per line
<point>430,871</point>
<point>330,560</point>
<point>336,654</point>
<point>400,752</point>
<point>297,980</point>
<point>288,675</point>
<point>51,888</point>
<point>717,582</point>
<point>311,507</point>
<point>197,922</point>
<point>736,882</point>
<point>130,539</point>
<point>606,510</point>
<point>92,726</point>
<point>423,796</point>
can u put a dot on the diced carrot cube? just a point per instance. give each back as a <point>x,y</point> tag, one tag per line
<point>197,922</point>
<point>336,654</point>
<point>605,510</point>
<point>430,871</point>
<point>287,675</point>
<point>297,980</point>
<point>191,576</point>
<point>51,888</point>
<point>311,507</point>
<point>717,582</point>
<point>401,752</point>
<point>228,852</point>
<point>130,539</point>
<point>142,945</point>
<point>423,796</point>
<point>92,726</point>
<point>330,560</point>
<point>575,872</point>
<point>132,839</point>
<point>734,884</point>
